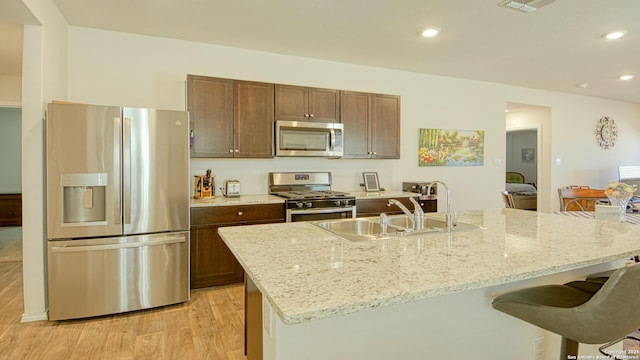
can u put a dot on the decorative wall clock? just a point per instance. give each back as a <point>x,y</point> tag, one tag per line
<point>606,132</point>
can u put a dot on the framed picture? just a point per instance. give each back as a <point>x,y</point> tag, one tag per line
<point>371,181</point>
<point>446,147</point>
<point>528,155</point>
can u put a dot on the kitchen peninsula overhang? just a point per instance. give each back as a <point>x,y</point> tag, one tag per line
<point>307,273</point>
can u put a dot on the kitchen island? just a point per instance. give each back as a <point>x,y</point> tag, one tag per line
<point>419,296</point>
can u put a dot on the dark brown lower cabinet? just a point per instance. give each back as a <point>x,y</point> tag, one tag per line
<point>212,263</point>
<point>373,207</point>
<point>10,209</point>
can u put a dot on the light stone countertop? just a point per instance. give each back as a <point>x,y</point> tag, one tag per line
<point>241,200</point>
<point>307,273</point>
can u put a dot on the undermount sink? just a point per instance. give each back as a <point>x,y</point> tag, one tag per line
<point>354,229</point>
<point>400,225</point>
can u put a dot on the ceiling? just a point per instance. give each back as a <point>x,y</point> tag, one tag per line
<point>558,47</point>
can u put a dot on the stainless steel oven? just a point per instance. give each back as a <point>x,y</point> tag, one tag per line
<point>308,196</point>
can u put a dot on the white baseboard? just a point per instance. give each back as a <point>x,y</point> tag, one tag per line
<point>34,317</point>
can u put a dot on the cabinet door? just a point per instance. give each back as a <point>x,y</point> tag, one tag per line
<point>253,119</point>
<point>212,263</point>
<point>324,105</point>
<point>374,207</point>
<point>385,127</point>
<point>354,114</point>
<point>210,106</point>
<point>291,103</point>
<point>11,210</point>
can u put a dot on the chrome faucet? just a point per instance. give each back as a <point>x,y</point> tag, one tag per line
<point>384,222</point>
<point>450,216</point>
<point>417,218</point>
<point>418,215</point>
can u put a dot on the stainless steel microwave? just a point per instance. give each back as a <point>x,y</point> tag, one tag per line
<point>305,138</point>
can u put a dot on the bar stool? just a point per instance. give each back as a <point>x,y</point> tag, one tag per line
<point>595,311</point>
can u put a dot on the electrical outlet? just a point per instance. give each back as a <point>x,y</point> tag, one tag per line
<point>538,348</point>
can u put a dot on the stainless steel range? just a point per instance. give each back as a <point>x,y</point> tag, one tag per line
<point>308,196</point>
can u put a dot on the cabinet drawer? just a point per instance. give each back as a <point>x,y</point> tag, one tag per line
<point>237,214</point>
<point>373,207</point>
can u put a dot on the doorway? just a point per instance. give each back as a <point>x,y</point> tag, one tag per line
<point>526,131</point>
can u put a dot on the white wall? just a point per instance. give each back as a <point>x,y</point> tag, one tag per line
<point>43,78</point>
<point>516,142</point>
<point>10,89</point>
<point>116,68</point>
<point>10,143</point>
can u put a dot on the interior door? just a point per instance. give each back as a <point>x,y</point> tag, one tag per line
<point>155,170</point>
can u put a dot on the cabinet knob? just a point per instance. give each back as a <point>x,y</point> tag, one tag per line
<point>374,153</point>
<point>240,213</point>
<point>311,115</point>
<point>236,150</point>
<point>230,150</point>
<point>306,115</point>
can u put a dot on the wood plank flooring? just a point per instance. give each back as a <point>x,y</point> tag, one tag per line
<point>209,326</point>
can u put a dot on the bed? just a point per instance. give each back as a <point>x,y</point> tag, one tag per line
<point>522,189</point>
<point>525,196</point>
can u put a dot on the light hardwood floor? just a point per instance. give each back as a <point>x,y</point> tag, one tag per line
<point>209,326</point>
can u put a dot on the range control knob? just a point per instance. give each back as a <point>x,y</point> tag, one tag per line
<point>339,203</point>
<point>299,204</point>
<point>309,204</point>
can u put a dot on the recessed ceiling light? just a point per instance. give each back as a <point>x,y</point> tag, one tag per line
<point>626,77</point>
<point>583,85</point>
<point>431,32</point>
<point>615,35</point>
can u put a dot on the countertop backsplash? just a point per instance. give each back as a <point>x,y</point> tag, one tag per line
<point>253,174</point>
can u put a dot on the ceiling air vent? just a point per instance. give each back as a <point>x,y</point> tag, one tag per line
<point>527,6</point>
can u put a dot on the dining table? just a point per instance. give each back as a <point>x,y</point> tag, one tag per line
<point>629,218</point>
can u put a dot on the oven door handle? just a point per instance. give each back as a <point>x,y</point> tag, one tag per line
<point>290,212</point>
<point>322,211</point>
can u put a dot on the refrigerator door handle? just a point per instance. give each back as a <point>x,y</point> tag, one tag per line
<point>116,197</point>
<point>126,169</point>
<point>85,248</point>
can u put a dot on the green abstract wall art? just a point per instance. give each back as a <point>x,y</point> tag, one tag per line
<point>442,147</point>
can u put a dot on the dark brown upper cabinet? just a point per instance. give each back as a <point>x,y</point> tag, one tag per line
<point>230,118</point>
<point>298,103</point>
<point>371,125</point>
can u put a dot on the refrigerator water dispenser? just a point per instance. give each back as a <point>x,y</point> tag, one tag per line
<point>84,198</point>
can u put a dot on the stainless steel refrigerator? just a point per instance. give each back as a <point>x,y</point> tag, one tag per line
<point>117,209</point>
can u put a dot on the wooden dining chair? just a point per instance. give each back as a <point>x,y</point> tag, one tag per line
<point>586,198</point>
<point>508,200</point>
<point>583,204</point>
